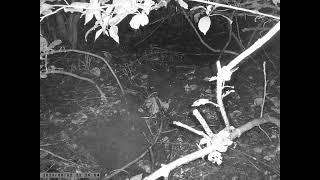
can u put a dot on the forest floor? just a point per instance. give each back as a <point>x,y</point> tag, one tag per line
<point>79,133</point>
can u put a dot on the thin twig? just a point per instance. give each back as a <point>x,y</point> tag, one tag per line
<point>254,165</point>
<point>239,42</point>
<point>269,59</point>
<point>255,29</point>
<point>264,98</point>
<point>229,38</point>
<point>264,88</point>
<point>102,95</point>
<point>136,44</point>
<point>255,32</point>
<point>90,54</point>
<point>43,145</point>
<point>59,157</point>
<point>238,32</point>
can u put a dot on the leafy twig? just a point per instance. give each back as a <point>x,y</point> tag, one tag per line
<point>202,41</point>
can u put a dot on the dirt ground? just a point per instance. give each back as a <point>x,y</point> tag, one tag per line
<point>80,133</point>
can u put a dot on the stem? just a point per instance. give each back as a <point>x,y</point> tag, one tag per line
<point>220,86</point>
<point>229,38</point>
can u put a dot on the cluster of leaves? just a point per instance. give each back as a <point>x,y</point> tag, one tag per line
<point>107,14</point>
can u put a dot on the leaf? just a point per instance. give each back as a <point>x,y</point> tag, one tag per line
<point>258,101</point>
<point>95,11</point>
<point>96,71</point>
<point>258,150</point>
<point>43,75</point>
<point>45,9</point>
<point>204,24</point>
<point>182,4</point>
<point>98,33</point>
<point>164,105</point>
<point>276,2</point>
<point>215,157</point>
<point>161,3</point>
<point>43,44</point>
<point>209,9</point>
<point>125,6</point>
<point>54,43</point>
<point>196,17</point>
<point>200,102</point>
<point>197,7</point>
<point>147,5</point>
<point>152,105</point>
<point>105,19</point>
<point>191,87</point>
<point>104,22</point>
<point>139,19</point>
<point>97,15</point>
<point>113,31</point>
<point>136,177</point>
<point>235,114</point>
<point>89,16</point>
<point>109,10</point>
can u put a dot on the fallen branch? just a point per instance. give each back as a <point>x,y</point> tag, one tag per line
<point>166,169</point>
